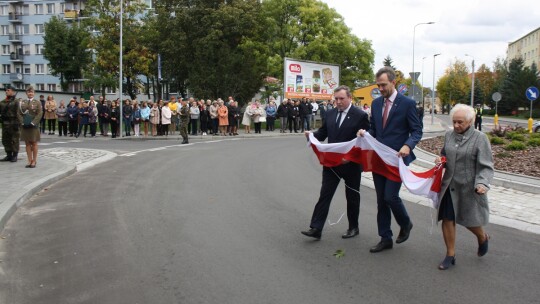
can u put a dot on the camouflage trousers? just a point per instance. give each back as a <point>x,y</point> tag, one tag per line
<point>184,129</point>
<point>11,136</point>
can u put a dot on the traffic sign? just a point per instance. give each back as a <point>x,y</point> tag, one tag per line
<point>531,93</point>
<point>496,96</point>
<point>402,88</point>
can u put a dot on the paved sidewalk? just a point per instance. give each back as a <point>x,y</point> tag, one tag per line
<point>511,207</point>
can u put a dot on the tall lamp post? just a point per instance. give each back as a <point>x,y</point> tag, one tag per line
<point>472,85</point>
<point>413,74</point>
<point>433,91</point>
<point>121,71</point>
<point>423,106</point>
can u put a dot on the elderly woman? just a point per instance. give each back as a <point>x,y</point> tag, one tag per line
<point>246,119</point>
<point>61,113</point>
<point>155,118</point>
<point>223,116</point>
<point>257,114</point>
<point>114,118</point>
<point>469,170</point>
<point>166,115</point>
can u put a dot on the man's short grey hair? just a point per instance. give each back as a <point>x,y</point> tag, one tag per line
<point>343,88</point>
<point>469,111</point>
<point>390,73</point>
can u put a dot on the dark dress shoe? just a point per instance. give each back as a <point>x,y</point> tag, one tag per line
<point>313,232</point>
<point>483,248</point>
<point>404,233</point>
<point>447,262</point>
<point>383,245</point>
<point>351,233</point>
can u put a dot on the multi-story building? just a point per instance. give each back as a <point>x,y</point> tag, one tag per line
<point>22,28</point>
<point>526,47</point>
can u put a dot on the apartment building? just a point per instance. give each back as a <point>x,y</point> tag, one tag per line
<point>22,28</point>
<point>526,47</point>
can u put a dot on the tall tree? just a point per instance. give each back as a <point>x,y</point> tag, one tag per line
<point>137,58</point>
<point>388,62</point>
<point>220,47</point>
<point>65,47</point>
<point>310,30</point>
<point>485,83</point>
<point>454,86</point>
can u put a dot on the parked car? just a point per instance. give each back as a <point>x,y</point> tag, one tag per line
<point>536,126</point>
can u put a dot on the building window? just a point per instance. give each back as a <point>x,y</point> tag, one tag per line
<point>5,30</point>
<point>6,68</point>
<point>62,7</point>
<point>27,69</point>
<point>39,9</point>
<point>110,91</point>
<point>40,68</point>
<point>40,86</point>
<point>50,9</point>
<point>6,49</point>
<point>39,49</point>
<point>4,10</point>
<point>22,29</point>
<point>51,87</point>
<point>40,29</point>
<point>26,49</point>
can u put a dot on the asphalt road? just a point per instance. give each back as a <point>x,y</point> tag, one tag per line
<point>220,223</point>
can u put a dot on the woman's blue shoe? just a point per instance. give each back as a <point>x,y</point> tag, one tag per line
<point>447,262</point>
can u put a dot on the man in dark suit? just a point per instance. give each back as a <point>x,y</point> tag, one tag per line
<point>395,123</point>
<point>340,125</point>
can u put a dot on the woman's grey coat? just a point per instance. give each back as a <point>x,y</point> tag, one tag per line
<point>469,162</point>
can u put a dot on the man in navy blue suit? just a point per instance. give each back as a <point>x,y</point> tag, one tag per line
<point>395,123</point>
<point>341,125</point>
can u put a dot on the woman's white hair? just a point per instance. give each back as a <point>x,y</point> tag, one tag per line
<point>469,111</point>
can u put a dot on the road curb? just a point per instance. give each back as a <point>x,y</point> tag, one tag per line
<point>17,198</point>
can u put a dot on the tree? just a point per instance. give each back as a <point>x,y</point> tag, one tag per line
<point>310,30</point>
<point>137,58</point>
<point>219,48</point>
<point>388,62</point>
<point>65,47</point>
<point>485,82</point>
<point>454,86</point>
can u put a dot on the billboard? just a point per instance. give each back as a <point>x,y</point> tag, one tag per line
<point>310,79</point>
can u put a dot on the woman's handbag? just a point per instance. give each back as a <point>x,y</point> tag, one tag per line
<point>27,118</point>
<point>262,119</point>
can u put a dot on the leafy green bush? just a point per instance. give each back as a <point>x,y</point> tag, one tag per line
<point>534,135</point>
<point>516,145</point>
<point>515,136</point>
<point>496,140</point>
<point>534,142</point>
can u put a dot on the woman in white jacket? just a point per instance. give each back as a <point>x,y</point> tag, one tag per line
<point>166,115</point>
<point>246,120</point>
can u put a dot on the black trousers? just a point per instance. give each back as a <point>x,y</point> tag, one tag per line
<point>72,127</point>
<point>51,123</point>
<point>62,128</point>
<point>351,174</point>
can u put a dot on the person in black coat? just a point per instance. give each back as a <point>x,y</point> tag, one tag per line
<point>282,113</point>
<point>341,125</point>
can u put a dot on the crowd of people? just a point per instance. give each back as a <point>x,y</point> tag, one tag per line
<point>80,117</point>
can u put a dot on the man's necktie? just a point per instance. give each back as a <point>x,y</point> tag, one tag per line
<point>338,121</point>
<point>386,110</point>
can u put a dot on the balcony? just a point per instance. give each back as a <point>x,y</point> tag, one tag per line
<point>15,17</point>
<point>16,77</point>
<point>14,57</point>
<point>15,38</point>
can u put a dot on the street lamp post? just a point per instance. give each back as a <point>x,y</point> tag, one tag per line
<point>121,72</point>
<point>414,35</point>
<point>423,106</point>
<point>472,85</point>
<point>433,91</point>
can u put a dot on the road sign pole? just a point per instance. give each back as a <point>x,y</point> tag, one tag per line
<point>532,94</point>
<point>531,119</point>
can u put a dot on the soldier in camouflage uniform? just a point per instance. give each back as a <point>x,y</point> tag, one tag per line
<point>184,121</point>
<point>10,115</point>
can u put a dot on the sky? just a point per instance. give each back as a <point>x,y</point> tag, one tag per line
<point>481,29</point>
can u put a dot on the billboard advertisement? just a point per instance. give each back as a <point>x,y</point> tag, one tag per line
<point>310,79</point>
